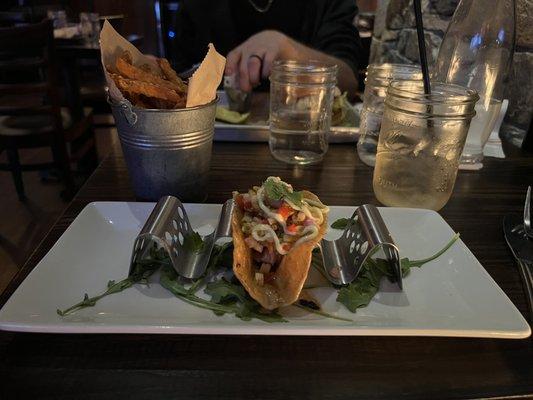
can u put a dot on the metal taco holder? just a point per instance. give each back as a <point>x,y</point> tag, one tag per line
<point>365,236</point>
<point>168,225</point>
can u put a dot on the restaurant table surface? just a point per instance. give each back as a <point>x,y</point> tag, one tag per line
<point>136,366</point>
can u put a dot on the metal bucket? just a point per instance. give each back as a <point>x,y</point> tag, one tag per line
<point>167,152</point>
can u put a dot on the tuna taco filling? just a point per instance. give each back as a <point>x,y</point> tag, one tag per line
<point>276,219</point>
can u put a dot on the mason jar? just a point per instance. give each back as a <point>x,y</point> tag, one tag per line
<point>378,77</point>
<point>420,143</point>
<point>301,97</point>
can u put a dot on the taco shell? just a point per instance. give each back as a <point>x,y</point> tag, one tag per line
<point>290,275</point>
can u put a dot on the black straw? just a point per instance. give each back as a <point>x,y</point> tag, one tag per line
<point>422,45</point>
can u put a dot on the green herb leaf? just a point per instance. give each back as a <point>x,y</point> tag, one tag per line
<point>226,298</point>
<point>295,198</point>
<point>360,292</point>
<point>276,190</point>
<point>341,223</point>
<point>222,291</point>
<point>91,301</point>
<point>419,263</point>
<point>141,271</point>
<point>221,258</point>
<point>193,242</point>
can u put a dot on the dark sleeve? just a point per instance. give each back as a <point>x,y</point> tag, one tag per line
<point>185,47</point>
<point>198,23</point>
<point>335,33</point>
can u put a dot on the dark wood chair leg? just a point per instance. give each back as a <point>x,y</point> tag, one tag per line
<point>16,171</point>
<point>60,154</point>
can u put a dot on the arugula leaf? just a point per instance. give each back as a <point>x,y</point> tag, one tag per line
<point>321,313</point>
<point>360,292</point>
<point>221,257</point>
<point>276,190</point>
<point>226,298</point>
<point>193,242</point>
<point>341,223</point>
<point>140,272</point>
<point>224,292</point>
<point>419,263</point>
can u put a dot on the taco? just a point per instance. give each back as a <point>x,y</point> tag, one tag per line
<point>274,232</point>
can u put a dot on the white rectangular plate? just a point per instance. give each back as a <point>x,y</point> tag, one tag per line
<point>451,296</point>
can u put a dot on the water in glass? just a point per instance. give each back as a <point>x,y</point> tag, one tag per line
<point>301,97</point>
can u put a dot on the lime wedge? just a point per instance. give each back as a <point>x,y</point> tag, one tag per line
<point>232,117</point>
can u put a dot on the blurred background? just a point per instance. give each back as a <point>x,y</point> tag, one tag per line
<point>386,27</point>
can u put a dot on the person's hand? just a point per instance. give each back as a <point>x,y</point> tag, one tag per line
<point>253,58</point>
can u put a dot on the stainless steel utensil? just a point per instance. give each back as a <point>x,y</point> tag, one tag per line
<point>522,249</point>
<point>366,235</point>
<point>168,226</point>
<point>527,217</point>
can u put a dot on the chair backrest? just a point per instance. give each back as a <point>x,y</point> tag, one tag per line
<point>28,72</point>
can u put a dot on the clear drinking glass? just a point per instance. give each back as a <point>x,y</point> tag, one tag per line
<point>59,17</point>
<point>476,52</point>
<point>90,27</point>
<point>420,143</point>
<point>378,77</point>
<point>301,97</point>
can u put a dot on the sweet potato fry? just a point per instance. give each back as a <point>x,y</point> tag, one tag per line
<point>135,73</point>
<point>148,68</point>
<point>147,89</point>
<point>170,74</point>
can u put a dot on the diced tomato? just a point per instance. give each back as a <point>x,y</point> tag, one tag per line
<point>240,201</point>
<point>293,228</point>
<point>243,202</point>
<point>285,210</point>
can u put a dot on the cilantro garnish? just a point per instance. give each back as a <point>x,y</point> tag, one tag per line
<point>341,223</point>
<point>277,190</point>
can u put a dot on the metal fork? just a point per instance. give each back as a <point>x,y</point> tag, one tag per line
<point>527,214</point>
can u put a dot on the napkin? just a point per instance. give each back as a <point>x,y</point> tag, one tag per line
<point>202,86</point>
<point>68,32</point>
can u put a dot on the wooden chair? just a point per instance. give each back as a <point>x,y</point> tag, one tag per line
<point>30,105</point>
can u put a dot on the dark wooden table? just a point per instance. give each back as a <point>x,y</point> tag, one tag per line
<point>45,366</point>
